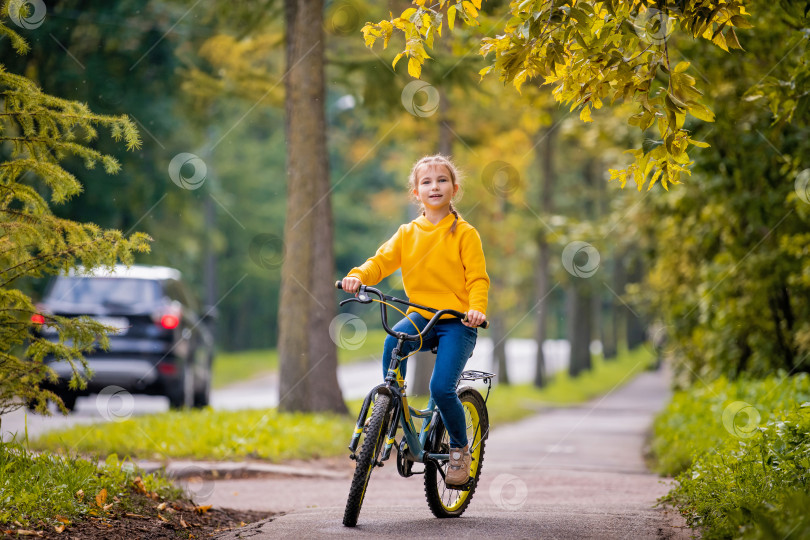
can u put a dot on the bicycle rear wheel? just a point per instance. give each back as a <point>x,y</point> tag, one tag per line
<point>443,501</point>
<point>370,449</point>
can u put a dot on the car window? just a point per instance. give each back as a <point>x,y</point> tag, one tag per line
<point>104,291</point>
<point>177,291</point>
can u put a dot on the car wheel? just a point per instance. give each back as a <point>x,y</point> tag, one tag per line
<point>182,394</point>
<point>202,397</point>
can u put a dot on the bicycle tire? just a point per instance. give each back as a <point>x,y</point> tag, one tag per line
<point>370,450</point>
<point>443,501</point>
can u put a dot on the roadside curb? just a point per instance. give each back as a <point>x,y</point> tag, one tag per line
<point>191,468</point>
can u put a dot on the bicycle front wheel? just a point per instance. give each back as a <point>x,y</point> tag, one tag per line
<point>370,449</point>
<point>443,501</point>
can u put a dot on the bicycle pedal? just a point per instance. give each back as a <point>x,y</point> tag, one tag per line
<point>353,457</point>
<point>466,486</point>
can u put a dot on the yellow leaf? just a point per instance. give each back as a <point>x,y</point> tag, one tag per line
<point>702,113</point>
<point>477,3</point>
<point>59,528</point>
<point>585,114</point>
<point>407,14</point>
<point>101,497</point>
<point>396,59</point>
<point>139,487</point>
<point>469,8</point>
<point>414,67</point>
<point>163,519</point>
<point>451,16</point>
<point>699,144</point>
<point>720,41</point>
<point>162,506</point>
<point>682,66</point>
<point>80,494</point>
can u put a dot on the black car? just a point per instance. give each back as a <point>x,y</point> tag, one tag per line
<point>163,346</point>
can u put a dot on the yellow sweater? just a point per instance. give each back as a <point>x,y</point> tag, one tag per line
<point>440,269</point>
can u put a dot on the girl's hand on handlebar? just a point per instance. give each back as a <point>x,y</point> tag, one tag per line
<point>474,318</point>
<point>351,284</point>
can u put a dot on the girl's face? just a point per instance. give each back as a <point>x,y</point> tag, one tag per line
<point>434,186</point>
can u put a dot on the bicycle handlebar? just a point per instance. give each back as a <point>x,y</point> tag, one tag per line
<point>437,313</point>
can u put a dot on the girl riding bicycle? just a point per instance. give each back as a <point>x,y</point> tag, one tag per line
<point>443,266</point>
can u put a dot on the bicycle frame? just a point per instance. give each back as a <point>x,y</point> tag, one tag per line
<point>394,386</point>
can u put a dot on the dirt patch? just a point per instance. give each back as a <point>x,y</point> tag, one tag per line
<point>145,519</point>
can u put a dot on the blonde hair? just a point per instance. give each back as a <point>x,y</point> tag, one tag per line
<point>434,161</point>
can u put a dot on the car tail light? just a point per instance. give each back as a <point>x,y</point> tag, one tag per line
<point>169,316</point>
<point>167,369</point>
<point>38,318</point>
<point>169,322</point>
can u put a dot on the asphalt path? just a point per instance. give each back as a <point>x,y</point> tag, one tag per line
<point>262,392</point>
<point>574,472</point>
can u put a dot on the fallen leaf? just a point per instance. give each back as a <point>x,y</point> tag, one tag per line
<point>62,519</point>
<point>116,499</point>
<point>80,494</point>
<point>130,514</point>
<point>163,519</point>
<point>25,532</point>
<point>153,496</point>
<point>101,498</point>
<point>242,523</point>
<point>183,523</point>
<point>202,509</point>
<point>59,528</point>
<point>108,506</point>
<point>161,506</point>
<point>139,487</point>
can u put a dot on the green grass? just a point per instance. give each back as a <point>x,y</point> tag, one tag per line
<point>276,436</point>
<point>47,490</point>
<point>742,449</point>
<point>233,367</point>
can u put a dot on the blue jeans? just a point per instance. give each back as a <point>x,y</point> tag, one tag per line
<point>455,344</point>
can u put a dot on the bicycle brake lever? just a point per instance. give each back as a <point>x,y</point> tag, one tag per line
<point>349,300</point>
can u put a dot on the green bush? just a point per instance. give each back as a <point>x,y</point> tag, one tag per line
<point>743,453</point>
<point>692,423</point>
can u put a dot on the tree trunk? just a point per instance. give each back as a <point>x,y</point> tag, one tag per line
<point>610,325</point>
<point>497,333</point>
<point>545,155</point>
<point>308,358</point>
<point>636,325</point>
<point>578,309</point>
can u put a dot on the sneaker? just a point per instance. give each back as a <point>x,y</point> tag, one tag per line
<point>458,471</point>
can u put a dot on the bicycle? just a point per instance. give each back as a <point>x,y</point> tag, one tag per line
<point>428,444</point>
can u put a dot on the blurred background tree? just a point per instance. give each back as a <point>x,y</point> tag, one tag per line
<point>38,132</point>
